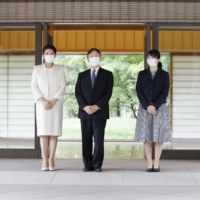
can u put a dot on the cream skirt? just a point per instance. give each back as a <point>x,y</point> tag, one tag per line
<point>49,122</point>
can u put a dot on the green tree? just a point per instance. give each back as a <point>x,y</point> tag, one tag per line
<point>125,70</point>
<point>73,65</point>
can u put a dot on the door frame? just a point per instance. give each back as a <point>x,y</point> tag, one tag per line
<point>27,153</point>
<point>174,153</point>
<point>36,153</point>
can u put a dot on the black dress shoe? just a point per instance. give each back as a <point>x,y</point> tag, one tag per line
<point>86,169</point>
<point>156,169</point>
<point>98,170</point>
<point>150,169</point>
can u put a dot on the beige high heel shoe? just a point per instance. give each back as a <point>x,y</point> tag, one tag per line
<point>45,166</point>
<point>51,166</point>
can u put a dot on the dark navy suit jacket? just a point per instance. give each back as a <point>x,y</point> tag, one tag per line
<point>99,95</point>
<point>152,91</point>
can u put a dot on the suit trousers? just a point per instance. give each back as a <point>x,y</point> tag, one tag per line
<point>93,128</point>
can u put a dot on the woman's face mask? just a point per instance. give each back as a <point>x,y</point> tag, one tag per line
<point>152,62</point>
<point>49,58</point>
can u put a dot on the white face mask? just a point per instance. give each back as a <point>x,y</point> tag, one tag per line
<point>49,58</point>
<point>94,61</point>
<point>151,62</point>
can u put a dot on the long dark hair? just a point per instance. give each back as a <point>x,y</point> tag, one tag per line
<point>156,54</point>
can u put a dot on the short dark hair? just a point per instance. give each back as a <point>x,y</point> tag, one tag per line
<point>49,46</point>
<point>94,49</point>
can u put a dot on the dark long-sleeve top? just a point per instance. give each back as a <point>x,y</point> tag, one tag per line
<point>152,91</point>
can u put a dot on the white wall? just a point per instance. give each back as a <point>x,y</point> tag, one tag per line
<point>186,97</point>
<point>16,99</point>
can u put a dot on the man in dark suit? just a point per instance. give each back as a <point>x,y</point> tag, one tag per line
<point>93,92</point>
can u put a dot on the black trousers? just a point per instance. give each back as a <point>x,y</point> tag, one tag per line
<point>93,128</point>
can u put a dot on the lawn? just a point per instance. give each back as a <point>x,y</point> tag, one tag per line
<point>116,128</point>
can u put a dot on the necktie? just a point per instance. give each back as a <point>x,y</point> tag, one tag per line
<point>93,77</point>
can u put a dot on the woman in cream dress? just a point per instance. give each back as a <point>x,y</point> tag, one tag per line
<point>48,86</point>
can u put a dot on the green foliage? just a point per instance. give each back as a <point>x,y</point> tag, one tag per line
<point>125,69</point>
<point>116,128</point>
<point>73,65</point>
<point>165,59</point>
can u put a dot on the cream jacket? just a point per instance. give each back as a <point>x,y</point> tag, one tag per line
<point>54,89</point>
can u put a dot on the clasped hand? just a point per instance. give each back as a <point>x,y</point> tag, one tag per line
<point>152,110</point>
<point>48,104</point>
<point>91,109</point>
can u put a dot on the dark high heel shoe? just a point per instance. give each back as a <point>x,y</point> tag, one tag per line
<point>150,169</point>
<point>157,169</point>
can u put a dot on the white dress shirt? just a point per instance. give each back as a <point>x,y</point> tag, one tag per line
<point>96,71</point>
